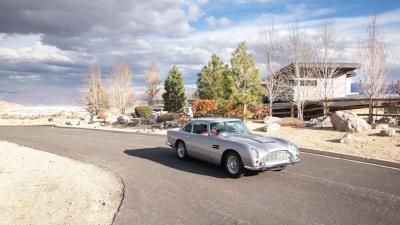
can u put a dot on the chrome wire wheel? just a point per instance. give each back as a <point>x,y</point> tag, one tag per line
<point>181,150</point>
<point>232,164</point>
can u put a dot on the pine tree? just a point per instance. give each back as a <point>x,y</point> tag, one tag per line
<point>247,89</point>
<point>210,81</point>
<point>174,95</point>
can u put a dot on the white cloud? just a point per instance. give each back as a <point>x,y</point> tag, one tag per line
<point>31,77</point>
<point>214,23</point>
<point>36,52</point>
<point>194,12</point>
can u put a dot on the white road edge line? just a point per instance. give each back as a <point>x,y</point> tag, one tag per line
<point>388,167</point>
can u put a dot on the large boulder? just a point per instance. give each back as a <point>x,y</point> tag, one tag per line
<point>272,127</point>
<point>382,126</point>
<point>320,122</point>
<point>325,122</point>
<point>111,119</point>
<point>135,122</point>
<point>123,120</point>
<point>348,122</point>
<point>271,119</point>
<point>388,120</point>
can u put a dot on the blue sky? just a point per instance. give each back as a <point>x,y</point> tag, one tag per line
<point>46,46</point>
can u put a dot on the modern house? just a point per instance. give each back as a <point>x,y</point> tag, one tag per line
<point>310,85</point>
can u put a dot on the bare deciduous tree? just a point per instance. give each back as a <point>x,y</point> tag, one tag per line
<point>153,81</point>
<point>94,97</point>
<point>372,56</point>
<point>328,65</point>
<point>300,51</point>
<point>395,87</point>
<point>274,83</point>
<point>121,87</point>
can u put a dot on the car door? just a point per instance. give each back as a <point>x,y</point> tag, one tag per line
<point>215,148</point>
<point>199,140</point>
<point>187,138</point>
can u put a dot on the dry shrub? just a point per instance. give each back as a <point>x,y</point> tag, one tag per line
<point>183,120</point>
<point>233,110</point>
<point>167,117</point>
<point>291,122</point>
<point>259,111</point>
<point>202,108</point>
<point>102,113</point>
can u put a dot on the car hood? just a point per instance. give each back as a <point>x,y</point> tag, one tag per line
<point>264,143</point>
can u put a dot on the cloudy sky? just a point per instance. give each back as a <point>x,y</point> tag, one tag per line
<point>46,45</point>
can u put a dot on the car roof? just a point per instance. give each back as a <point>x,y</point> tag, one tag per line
<point>213,119</point>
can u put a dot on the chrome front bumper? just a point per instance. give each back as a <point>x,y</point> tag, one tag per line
<point>273,164</point>
<point>169,144</point>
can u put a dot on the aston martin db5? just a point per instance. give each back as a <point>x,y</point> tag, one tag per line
<point>228,142</point>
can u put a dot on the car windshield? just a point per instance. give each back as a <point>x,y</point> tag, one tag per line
<point>218,128</point>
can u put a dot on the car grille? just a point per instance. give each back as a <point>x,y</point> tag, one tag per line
<point>277,156</point>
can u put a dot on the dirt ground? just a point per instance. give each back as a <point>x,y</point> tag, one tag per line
<point>43,188</point>
<point>366,144</point>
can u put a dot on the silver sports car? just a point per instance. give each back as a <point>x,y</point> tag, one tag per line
<point>230,143</point>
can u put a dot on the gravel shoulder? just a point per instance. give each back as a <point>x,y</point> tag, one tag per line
<point>43,188</point>
<point>366,144</point>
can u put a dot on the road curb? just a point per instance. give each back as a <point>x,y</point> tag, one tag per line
<point>352,157</point>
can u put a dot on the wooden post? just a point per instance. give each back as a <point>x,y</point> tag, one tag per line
<point>292,111</point>
<point>326,106</point>
<point>370,111</point>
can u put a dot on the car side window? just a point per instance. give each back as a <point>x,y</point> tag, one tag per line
<point>188,128</point>
<point>200,128</point>
<point>216,128</point>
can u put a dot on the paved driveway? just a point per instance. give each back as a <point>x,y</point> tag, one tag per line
<point>162,190</point>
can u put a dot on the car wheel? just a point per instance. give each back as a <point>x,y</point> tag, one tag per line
<point>181,152</point>
<point>234,165</point>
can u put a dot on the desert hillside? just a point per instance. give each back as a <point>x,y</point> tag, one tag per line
<point>8,105</point>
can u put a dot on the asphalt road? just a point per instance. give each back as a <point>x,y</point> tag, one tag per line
<point>159,189</point>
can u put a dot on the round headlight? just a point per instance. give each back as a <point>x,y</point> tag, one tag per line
<point>254,153</point>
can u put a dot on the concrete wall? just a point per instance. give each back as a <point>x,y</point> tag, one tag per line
<point>340,87</point>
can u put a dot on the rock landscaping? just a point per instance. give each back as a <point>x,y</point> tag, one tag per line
<point>272,127</point>
<point>320,122</point>
<point>348,122</point>
<point>387,132</point>
<point>347,139</point>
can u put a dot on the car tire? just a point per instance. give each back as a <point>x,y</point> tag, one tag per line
<point>233,165</point>
<point>181,152</point>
